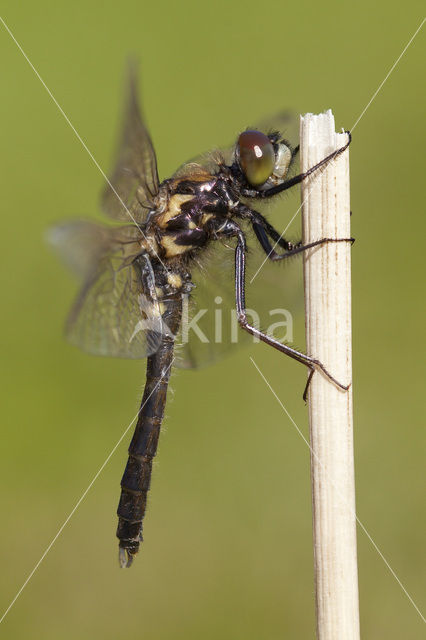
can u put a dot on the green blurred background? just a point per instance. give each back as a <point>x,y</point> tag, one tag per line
<point>227,550</point>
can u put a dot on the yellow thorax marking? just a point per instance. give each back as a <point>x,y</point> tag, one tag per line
<point>172,249</point>
<point>173,208</point>
<point>174,280</point>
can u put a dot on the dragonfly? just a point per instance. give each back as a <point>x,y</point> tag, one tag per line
<point>138,273</point>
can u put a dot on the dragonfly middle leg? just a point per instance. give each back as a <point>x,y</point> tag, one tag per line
<point>291,249</point>
<point>265,232</point>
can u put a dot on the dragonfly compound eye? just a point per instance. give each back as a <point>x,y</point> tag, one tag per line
<point>256,157</point>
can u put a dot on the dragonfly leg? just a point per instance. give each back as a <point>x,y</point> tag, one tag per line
<point>291,249</point>
<point>265,232</point>
<point>240,261</point>
<point>268,193</point>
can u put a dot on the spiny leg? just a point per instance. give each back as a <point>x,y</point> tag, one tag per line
<point>264,231</point>
<point>268,193</point>
<point>292,250</point>
<point>232,229</point>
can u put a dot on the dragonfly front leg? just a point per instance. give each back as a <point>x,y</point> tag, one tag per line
<point>240,261</point>
<point>288,184</point>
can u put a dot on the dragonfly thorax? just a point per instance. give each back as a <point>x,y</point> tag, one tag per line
<point>187,215</point>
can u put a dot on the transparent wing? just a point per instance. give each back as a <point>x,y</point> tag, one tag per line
<point>81,244</point>
<point>134,180</point>
<point>205,165</point>
<point>206,330</point>
<point>208,163</point>
<point>108,316</point>
<point>285,122</point>
<point>113,313</point>
<point>273,298</point>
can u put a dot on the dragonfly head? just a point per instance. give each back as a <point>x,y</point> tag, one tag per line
<point>262,160</point>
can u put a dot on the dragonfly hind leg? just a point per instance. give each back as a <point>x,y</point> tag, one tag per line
<point>240,258</point>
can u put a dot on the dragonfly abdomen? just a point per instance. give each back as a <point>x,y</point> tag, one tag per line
<point>143,447</point>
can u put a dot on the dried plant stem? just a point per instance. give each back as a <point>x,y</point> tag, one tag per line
<point>326,214</point>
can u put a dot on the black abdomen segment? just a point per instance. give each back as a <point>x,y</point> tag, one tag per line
<point>143,447</point>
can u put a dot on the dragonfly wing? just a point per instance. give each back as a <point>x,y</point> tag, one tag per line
<point>114,313</point>
<point>110,314</point>
<point>81,243</point>
<point>204,338</point>
<point>273,296</point>
<point>205,164</point>
<point>283,122</point>
<point>134,180</point>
